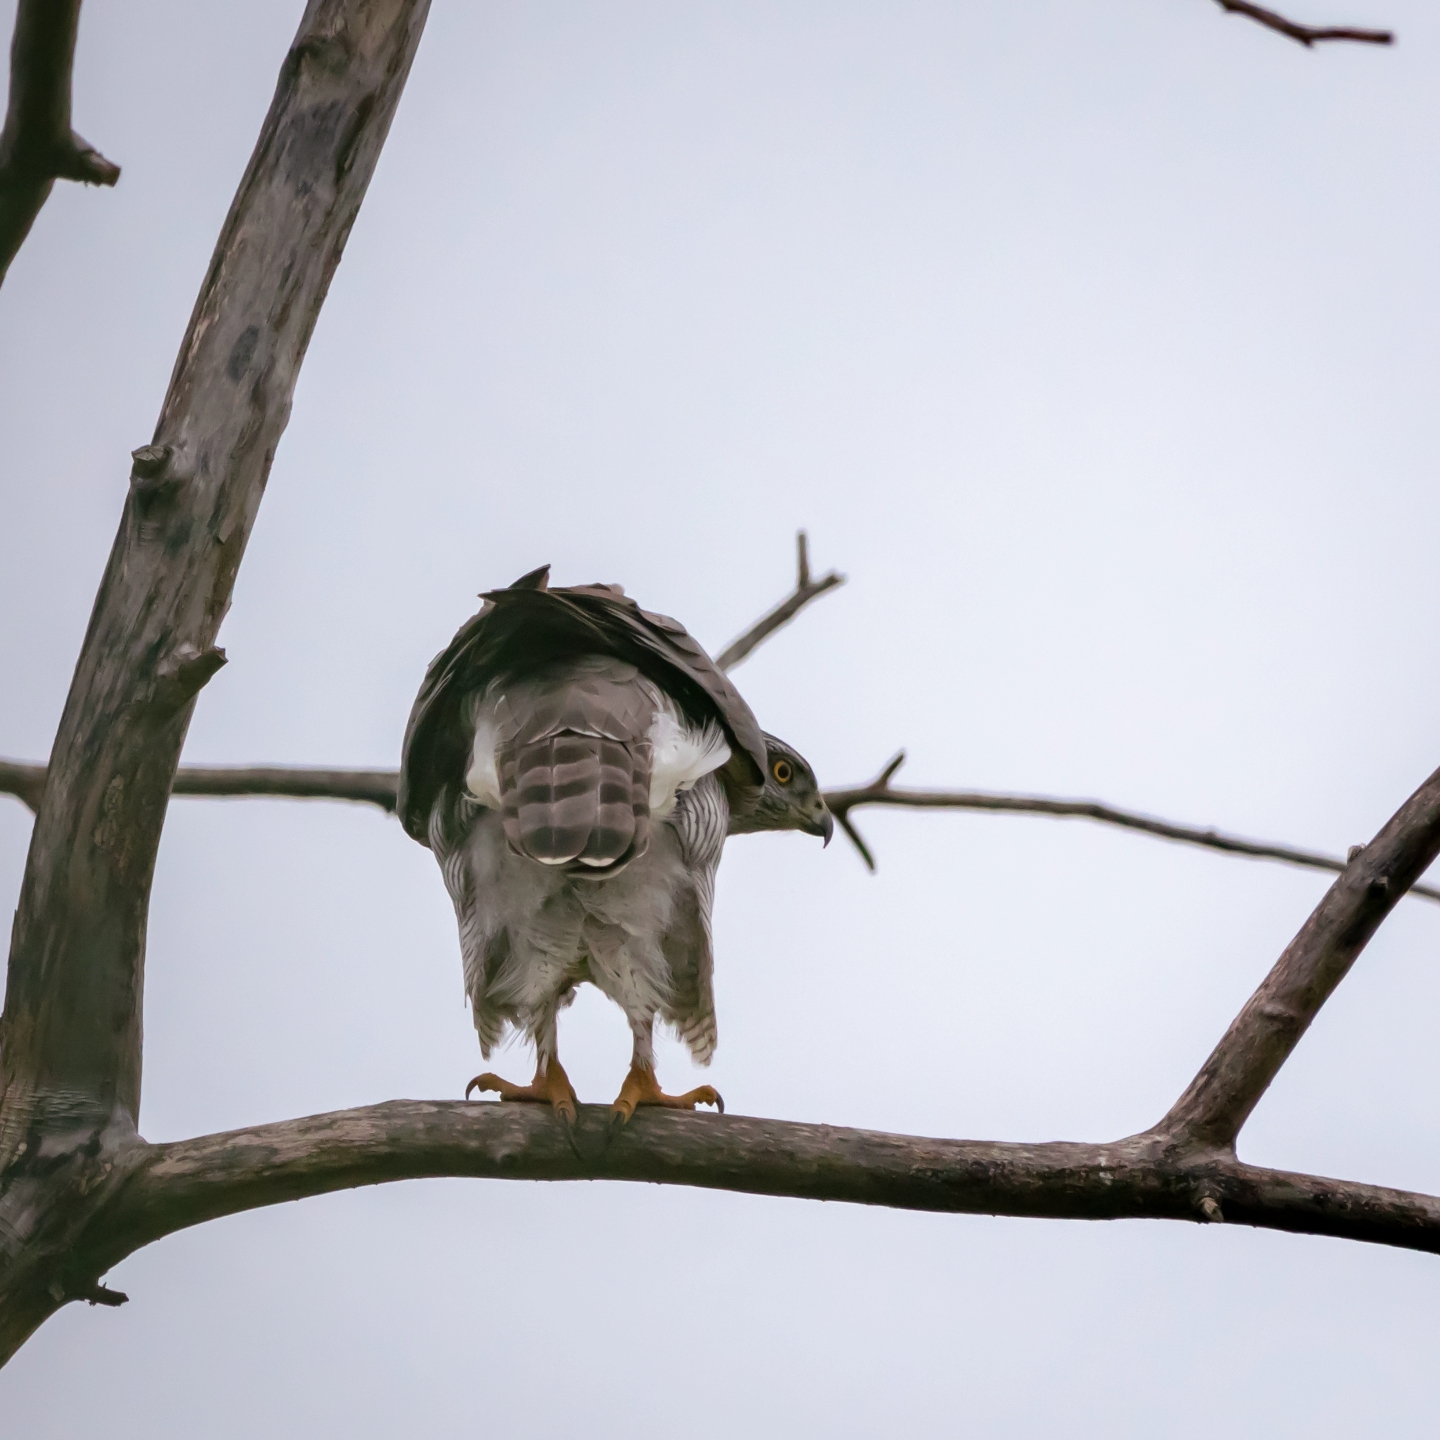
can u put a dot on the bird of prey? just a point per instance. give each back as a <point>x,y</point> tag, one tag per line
<point>575,763</point>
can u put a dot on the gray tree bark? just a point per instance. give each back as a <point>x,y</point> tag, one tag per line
<point>70,1039</point>
<point>37,145</point>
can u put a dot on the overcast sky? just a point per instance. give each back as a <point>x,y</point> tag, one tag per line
<point>1096,342</point>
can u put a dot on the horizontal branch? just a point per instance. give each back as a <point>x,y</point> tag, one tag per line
<point>37,145</point>
<point>1305,34</point>
<point>880,792</point>
<point>159,1189</point>
<point>292,782</point>
<point>805,591</point>
<point>373,787</point>
<point>378,787</point>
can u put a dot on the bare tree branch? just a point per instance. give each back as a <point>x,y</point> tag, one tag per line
<point>1184,1168</point>
<point>880,792</point>
<point>149,1191</point>
<point>293,782</point>
<point>1220,1098</point>
<point>378,787</point>
<point>1305,34</point>
<point>37,145</point>
<point>79,1189</point>
<point>71,1059</point>
<point>805,591</point>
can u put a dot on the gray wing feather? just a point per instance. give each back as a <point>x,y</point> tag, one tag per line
<point>700,818</point>
<point>523,629</point>
<point>481,948</point>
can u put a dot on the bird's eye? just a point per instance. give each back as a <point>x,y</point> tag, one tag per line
<point>783,771</point>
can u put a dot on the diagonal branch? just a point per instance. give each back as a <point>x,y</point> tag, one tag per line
<point>805,591</point>
<point>1305,34</point>
<point>880,792</point>
<point>1261,1038</point>
<point>71,1059</point>
<point>37,145</point>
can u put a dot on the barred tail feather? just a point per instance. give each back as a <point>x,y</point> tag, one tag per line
<point>576,800</point>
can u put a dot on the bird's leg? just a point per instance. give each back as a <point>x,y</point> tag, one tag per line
<point>551,1084</point>
<point>642,1088</point>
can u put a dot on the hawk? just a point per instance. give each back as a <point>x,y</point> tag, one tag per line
<point>575,763</point>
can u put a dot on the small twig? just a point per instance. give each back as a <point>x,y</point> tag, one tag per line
<point>37,145</point>
<point>103,1295</point>
<point>880,792</point>
<point>805,591</point>
<point>1305,34</point>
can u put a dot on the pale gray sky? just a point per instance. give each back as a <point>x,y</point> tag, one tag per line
<point>1097,343</point>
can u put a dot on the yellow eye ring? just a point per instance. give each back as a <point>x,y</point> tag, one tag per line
<point>783,771</point>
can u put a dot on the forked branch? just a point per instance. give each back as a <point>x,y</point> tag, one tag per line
<point>37,145</point>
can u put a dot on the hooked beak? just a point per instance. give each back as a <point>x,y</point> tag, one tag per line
<point>823,824</point>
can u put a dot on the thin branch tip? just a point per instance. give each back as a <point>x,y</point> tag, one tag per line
<point>882,781</point>
<point>806,590</point>
<point>1307,35</point>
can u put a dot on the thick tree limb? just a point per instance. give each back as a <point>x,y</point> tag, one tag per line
<point>154,1190</point>
<point>1305,34</point>
<point>37,145</point>
<point>1241,1067</point>
<point>70,1065</point>
<point>193,497</point>
<point>880,792</point>
<point>805,591</point>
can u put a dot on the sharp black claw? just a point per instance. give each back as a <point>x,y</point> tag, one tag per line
<point>472,1085</point>
<point>720,1103</point>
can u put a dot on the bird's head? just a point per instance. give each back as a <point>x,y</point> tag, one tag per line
<point>790,799</point>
